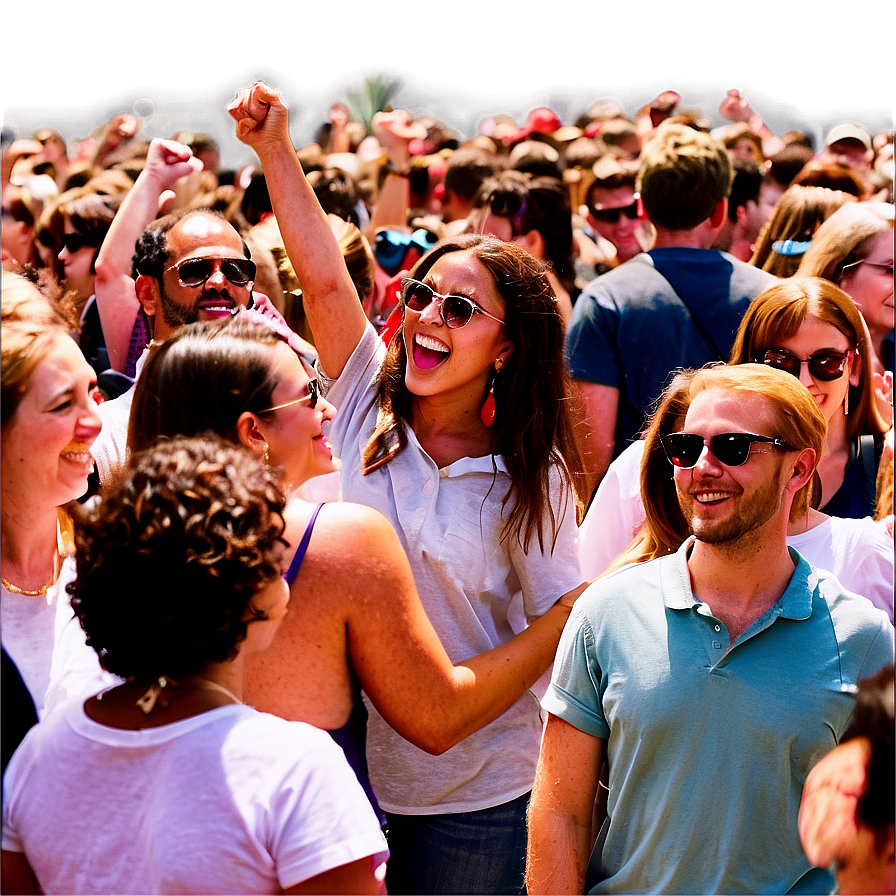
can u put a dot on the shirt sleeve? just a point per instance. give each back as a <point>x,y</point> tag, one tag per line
<point>574,693</point>
<point>321,817</point>
<point>546,575</point>
<point>591,343</point>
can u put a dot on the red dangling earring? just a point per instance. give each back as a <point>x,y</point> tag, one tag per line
<point>487,411</point>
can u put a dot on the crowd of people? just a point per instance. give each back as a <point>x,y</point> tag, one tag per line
<point>428,514</point>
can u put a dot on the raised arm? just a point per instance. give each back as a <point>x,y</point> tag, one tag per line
<point>331,303</point>
<point>116,299</point>
<point>394,130</point>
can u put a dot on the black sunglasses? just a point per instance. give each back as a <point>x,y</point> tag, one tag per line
<point>455,311</point>
<point>612,215</point>
<point>195,271</point>
<point>730,448</point>
<point>824,366</point>
<point>75,241</point>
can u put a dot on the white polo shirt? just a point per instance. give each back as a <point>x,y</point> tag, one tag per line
<point>449,521</point>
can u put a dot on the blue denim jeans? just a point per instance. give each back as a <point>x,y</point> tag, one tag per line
<point>468,852</point>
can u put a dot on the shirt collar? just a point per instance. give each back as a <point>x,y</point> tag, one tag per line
<point>794,603</point>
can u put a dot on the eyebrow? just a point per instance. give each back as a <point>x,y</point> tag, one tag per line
<point>69,390</point>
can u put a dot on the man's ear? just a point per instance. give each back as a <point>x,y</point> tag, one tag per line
<point>802,470</point>
<point>719,213</point>
<point>147,293</point>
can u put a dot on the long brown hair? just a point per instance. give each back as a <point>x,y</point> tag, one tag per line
<point>533,428</point>
<point>778,312</point>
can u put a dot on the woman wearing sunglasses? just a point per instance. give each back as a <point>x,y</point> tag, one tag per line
<point>808,327</point>
<point>459,433</point>
<point>356,620</point>
<point>858,552</point>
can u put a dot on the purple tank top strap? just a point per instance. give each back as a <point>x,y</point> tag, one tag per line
<point>299,555</point>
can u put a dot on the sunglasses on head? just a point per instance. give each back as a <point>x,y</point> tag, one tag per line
<point>391,247</point>
<point>75,241</point>
<point>312,396</point>
<point>824,366</point>
<point>455,311</point>
<point>195,271</point>
<point>730,448</point>
<point>612,215</point>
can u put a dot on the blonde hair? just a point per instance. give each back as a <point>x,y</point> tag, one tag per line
<point>30,321</point>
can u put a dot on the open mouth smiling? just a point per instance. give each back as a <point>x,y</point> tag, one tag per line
<point>428,351</point>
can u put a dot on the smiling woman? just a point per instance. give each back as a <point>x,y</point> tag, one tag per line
<point>812,330</point>
<point>459,433</point>
<point>49,424</point>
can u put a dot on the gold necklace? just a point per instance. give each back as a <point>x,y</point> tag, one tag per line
<point>14,589</point>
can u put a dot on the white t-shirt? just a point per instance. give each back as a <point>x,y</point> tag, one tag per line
<point>229,801</point>
<point>858,552</point>
<point>47,644</point>
<point>449,522</point>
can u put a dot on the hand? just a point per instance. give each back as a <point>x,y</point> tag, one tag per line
<point>735,108</point>
<point>167,161</point>
<point>119,129</point>
<point>262,118</point>
<point>395,131</point>
<point>263,310</point>
<point>338,115</point>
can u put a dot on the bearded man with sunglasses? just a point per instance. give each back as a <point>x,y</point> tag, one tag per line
<point>710,680</point>
<point>678,305</point>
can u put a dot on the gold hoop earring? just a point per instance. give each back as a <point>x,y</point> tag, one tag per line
<point>266,455</point>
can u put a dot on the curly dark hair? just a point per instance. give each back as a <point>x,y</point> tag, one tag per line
<point>170,559</point>
<point>151,253</point>
<point>533,427</point>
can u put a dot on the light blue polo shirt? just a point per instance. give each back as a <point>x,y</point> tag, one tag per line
<point>708,748</point>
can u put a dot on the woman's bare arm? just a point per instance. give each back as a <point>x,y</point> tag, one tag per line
<point>366,582</point>
<point>331,301</point>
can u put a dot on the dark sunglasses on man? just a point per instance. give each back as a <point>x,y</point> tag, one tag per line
<point>193,272</point>
<point>612,215</point>
<point>684,449</point>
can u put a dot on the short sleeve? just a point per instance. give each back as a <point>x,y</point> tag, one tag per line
<point>321,818</point>
<point>591,342</point>
<point>546,575</point>
<point>574,693</point>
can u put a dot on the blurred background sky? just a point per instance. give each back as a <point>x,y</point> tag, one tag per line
<point>176,65</point>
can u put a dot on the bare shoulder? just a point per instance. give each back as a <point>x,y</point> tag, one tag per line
<point>351,541</point>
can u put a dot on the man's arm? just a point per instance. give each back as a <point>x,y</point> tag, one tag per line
<point>598,408</point>
<point>116,298</point>
<point>560,809</point>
